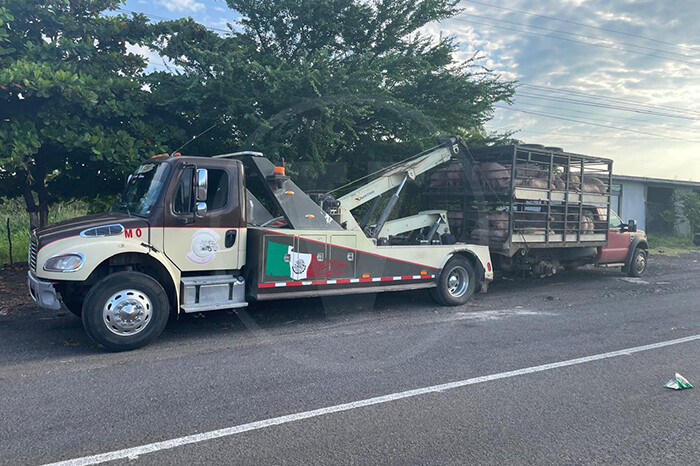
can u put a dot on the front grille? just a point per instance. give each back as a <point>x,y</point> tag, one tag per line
<point>33,247</point>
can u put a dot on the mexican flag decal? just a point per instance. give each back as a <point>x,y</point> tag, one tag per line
<point>283,261</point>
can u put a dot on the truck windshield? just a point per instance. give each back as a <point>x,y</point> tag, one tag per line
<point>143,189</point>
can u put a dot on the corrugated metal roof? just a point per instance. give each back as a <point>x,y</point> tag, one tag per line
<point>657,181</point>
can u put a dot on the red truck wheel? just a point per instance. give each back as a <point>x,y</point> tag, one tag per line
<point>456,284</point>
<point>125,311</point>
<point>638,264</point>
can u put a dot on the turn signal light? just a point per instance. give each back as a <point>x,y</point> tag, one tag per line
<point>366,275</point>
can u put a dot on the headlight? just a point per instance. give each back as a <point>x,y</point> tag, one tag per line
<point>64,263</point>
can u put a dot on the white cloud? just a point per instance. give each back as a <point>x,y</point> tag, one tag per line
<point>182,5</point>
<point>538,57</point>
<point>154,60</point>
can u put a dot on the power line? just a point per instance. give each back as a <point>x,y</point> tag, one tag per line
<point>580,35</point>
<point>604,118</point>
<point>613,99</point>
<point>596,124</point>
<point>584,25</point>
<point>605,106</point>
<point>578,135</point>
<point>576,41</point>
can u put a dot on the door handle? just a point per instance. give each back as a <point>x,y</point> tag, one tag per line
<point>230,238</point>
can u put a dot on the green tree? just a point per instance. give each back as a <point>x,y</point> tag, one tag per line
<point>72,107</point>
<point>689,203</point>
<point>323,81</point>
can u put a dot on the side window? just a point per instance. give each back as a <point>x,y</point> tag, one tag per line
<point>615,222</point>
<point>183,203</point>
<point>217,189</point>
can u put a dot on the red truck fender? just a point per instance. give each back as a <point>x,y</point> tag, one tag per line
<point>637,242</point>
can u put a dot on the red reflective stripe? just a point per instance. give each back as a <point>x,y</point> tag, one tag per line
<point>343,281</point>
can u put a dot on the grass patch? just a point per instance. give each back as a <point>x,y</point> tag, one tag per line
<point>15,210</point>
<point>671,245</point>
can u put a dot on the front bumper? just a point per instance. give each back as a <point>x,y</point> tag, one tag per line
<point>43,292</point>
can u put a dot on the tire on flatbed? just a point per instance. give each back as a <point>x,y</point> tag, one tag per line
<point>639,262</point>
<point>456,284</point>
<point>125,311</point>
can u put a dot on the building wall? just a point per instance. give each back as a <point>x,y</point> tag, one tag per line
<point>634,199</point>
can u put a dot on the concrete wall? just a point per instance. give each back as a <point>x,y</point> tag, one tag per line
<point>634,201</point>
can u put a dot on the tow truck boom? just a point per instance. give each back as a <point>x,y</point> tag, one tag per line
<point>393,177</point>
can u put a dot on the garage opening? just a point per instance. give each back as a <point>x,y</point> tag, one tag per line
<point>660,210</point>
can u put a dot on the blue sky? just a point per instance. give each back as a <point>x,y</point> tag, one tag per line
<point>611,78</point>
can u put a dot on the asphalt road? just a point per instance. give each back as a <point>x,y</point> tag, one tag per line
<point>62,398</point>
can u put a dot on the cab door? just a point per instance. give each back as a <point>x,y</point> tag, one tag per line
<point>212,238</point>
<point>618,242</point>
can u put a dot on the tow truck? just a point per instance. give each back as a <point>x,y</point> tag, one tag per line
<point>194,234</point>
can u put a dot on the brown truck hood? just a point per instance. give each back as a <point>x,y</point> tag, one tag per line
<point>74,226</point>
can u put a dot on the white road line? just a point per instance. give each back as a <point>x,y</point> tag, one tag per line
<point>229,431</point>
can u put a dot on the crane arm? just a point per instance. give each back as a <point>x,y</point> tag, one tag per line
<point>395,177</point>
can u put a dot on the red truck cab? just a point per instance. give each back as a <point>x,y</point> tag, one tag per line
<point>627,246</point>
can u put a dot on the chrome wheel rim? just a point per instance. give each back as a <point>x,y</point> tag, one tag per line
<point>457,282</point>
<point>641,263</point>
<point>127,312</point>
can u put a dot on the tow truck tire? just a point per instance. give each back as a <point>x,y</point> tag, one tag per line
<point>456,283</point>
<point>638,264</point>
<point>125,311</point>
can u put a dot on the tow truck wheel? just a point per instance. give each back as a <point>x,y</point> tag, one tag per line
<point>125,310</point>
<point>638,265</point>
<point>456,284</point>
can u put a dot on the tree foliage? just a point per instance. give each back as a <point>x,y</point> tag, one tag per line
<point>355,83</point>
<point>689,203</point>
<point>72,108</point>
<point>318,82</point>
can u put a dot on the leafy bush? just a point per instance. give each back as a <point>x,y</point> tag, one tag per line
<point>15,210</point>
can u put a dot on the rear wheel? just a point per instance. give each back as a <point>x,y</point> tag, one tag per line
<point>456,283</point>
<point>125,310</point>
<point>638,265</point>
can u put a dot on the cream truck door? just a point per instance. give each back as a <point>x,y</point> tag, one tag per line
<point>215,240</point>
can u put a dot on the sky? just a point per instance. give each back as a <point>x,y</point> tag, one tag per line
<point>611,78</point>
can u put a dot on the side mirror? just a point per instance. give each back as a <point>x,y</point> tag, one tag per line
<point>632,226</point>
<point>128,179</point>
<point>201,209</point>
<point>201,183</point>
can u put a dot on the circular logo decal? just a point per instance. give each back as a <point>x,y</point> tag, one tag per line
<point>205,244</point>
